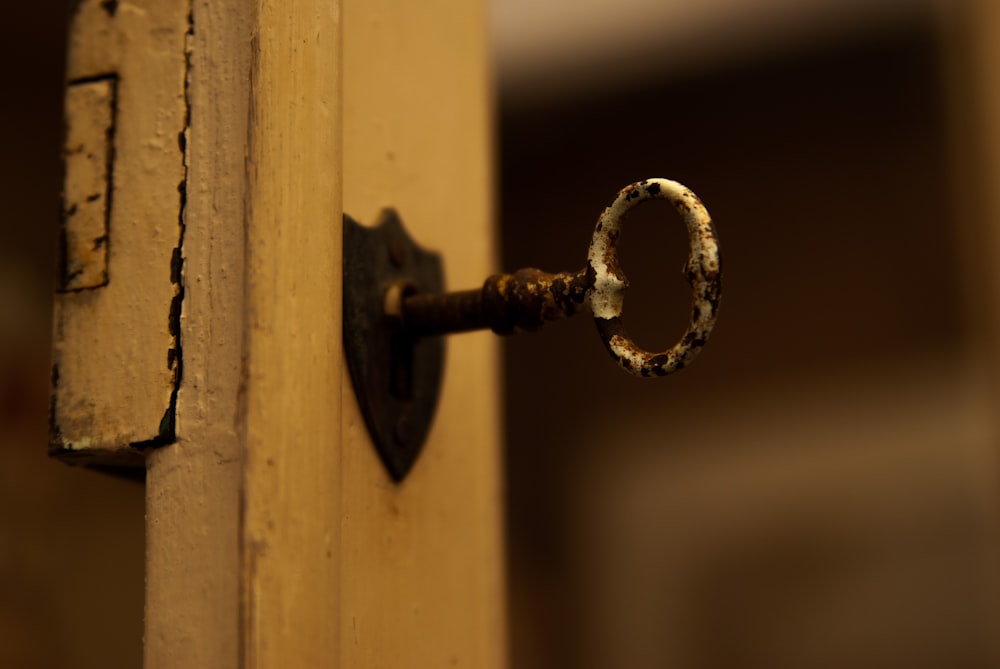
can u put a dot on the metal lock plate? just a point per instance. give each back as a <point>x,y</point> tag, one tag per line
<point>396,375</point>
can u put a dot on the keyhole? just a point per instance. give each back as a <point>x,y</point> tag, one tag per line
<point>401,366</point>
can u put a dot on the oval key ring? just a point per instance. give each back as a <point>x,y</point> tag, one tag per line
<point>703,272</point>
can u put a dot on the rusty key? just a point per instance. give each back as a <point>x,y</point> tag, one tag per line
<point>395,312</point>
<point>526,299</point>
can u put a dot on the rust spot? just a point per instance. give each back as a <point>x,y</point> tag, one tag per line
<point>528,298</point>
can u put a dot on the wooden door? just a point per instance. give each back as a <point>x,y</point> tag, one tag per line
<point>198,332</point>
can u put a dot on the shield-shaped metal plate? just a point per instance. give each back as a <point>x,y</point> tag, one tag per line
<point>396,377</point>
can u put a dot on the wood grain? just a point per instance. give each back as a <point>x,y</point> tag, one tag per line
<point>193,485</point>
<point>275,537</point>
<point>422,561</point>
<point>290,423</point>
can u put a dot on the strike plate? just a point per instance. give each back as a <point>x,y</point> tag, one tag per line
<point>396,375</point>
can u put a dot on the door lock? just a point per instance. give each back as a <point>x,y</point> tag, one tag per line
<point>395,312</point>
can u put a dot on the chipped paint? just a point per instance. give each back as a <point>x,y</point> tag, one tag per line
<point>88,153</point>
<point>118,314</point>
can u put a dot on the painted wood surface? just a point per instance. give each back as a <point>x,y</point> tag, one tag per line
<point>193,485</point>
<point>275,537</point>
<point>422,561</point>
<point>116,359</point>
<point>289,419</point>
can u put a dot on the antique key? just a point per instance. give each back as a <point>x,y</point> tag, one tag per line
<point>395,312</point>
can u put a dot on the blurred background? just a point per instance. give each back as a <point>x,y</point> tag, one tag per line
<point>71,540</point>
<point>818,490</point>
